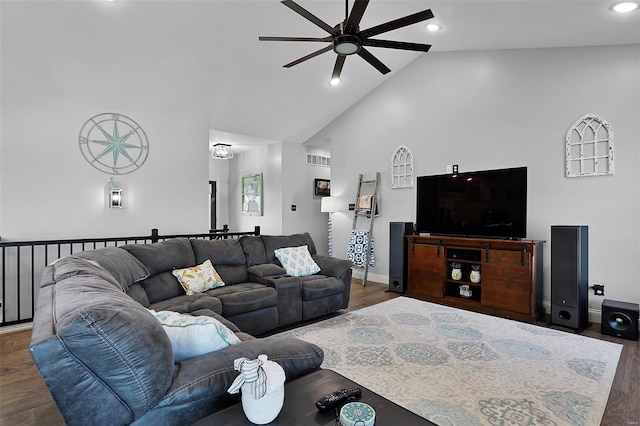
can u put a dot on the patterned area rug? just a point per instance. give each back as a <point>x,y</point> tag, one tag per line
<point>456,367</point>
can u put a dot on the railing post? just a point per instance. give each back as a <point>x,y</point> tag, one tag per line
<point>256,230</point>
<point>154,235</point>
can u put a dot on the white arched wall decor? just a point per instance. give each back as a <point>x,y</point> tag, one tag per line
<point>589,147</point>
<point>402,168</point>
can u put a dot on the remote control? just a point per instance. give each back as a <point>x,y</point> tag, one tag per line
<point>338,398</point>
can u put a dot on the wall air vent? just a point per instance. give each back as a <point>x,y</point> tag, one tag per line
<point>318,160</point>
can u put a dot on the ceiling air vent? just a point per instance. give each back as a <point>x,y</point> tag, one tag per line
<point>318,160</point>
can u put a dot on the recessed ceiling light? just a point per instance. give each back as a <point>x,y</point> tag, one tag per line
<point>625,7</point>
<point>334,81</point>
<point>433,27</point>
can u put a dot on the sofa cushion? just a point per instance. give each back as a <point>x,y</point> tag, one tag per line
<point>201,392</point>
<point>207,312</point>
<point>162,286</point>
<point>244,297</point>
<point>233,274</point>
<point>198,278</point>
<point>317,286</point>
<point>193,336</point>
<point>253,248</point>
<point>188,303</point>
<point>226,256</point>
<point>297,261</point>
<point>124,267</point>
<point>70,266</point>
<point>137,293</point>
<point>163,256</point>
<point>274,242</point>
<point>266,270</point>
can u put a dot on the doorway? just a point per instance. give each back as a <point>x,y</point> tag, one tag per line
<point>213,211</point>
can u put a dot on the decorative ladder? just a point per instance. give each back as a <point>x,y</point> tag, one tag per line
<point>369,213</point>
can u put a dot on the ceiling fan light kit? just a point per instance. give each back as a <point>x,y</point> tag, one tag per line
<point>347,39</point>
<point>346,44</point>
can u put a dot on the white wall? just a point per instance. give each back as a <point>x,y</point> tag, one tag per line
<point>495,109</point>
<point>265,159</point>
<point>298,189</point>
<point>287,181</point>
<point>49,191</point>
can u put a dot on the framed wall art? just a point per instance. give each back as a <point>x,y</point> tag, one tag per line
<point>322,187</point>
<point>252,194</point>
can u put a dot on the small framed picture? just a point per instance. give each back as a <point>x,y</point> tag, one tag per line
<point>322,187</point>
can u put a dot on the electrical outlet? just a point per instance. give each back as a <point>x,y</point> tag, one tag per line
<point>598,289</point>
<point>352,206</point>
<point>455,169</point>
<point>449,169</point>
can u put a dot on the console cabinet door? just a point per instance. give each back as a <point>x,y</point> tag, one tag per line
<point>506,280</point>
<point>426,270</point>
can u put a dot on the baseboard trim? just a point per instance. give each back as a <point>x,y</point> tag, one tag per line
<point>358,273</point>
<point>16,327</point>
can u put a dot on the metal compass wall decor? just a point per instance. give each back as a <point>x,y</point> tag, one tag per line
<point>113,143</point>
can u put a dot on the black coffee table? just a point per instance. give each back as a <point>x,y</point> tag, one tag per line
<point>299,407</point>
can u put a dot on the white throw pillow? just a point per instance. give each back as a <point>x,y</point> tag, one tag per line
<point>192,336</point>
<point>297,261</point>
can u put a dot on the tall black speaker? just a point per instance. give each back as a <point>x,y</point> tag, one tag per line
<point>570,276</point>
<point>398,255</point>
<point>620,319</point>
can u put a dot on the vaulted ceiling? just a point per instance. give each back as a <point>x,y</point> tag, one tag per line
<point>201,61</point>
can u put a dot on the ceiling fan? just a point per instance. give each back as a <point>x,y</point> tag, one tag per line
<point>346,38</point>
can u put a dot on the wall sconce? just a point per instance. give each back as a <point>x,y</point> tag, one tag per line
<point>116,198</point>
<point>222,151</point>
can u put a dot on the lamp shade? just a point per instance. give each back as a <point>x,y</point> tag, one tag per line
<point>329,205</point>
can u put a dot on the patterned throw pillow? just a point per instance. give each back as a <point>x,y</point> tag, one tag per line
<point>297,261</point>
<point>198,278</point>
<point>192,336</point>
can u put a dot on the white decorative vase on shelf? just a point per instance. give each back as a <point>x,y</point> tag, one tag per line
<point>474,276</point>
<point>262,385</point>
<point>456,271</point>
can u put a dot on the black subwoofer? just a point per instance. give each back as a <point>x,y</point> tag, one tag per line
<point>570,276</point>
<point>620,319</point>
<point>398,255</point>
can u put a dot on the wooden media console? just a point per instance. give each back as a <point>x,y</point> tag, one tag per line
<point>510,283</point>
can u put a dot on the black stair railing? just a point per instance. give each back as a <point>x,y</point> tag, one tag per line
<point>22,262</point>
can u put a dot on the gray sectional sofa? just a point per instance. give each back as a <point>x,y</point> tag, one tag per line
<point>107,360</point>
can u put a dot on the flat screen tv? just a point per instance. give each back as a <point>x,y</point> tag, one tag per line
<point>489,203</point>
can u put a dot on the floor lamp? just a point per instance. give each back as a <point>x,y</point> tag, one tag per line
<point>329,205</point>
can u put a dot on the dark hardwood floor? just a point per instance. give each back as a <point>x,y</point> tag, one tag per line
<point>24,399</point>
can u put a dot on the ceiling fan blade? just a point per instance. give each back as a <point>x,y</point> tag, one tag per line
<point>337,69</point>
<point>309,56</point>
<point>309,16</point>
<point>265,38</point>
<point>367,56</point>
<point>390,44</point>
<point>396,23</point>
<point>356,16</point>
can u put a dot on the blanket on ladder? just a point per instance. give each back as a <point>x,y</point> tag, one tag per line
<point>358,250</point>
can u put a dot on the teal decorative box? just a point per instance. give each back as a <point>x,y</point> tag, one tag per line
<point>357,414</point>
